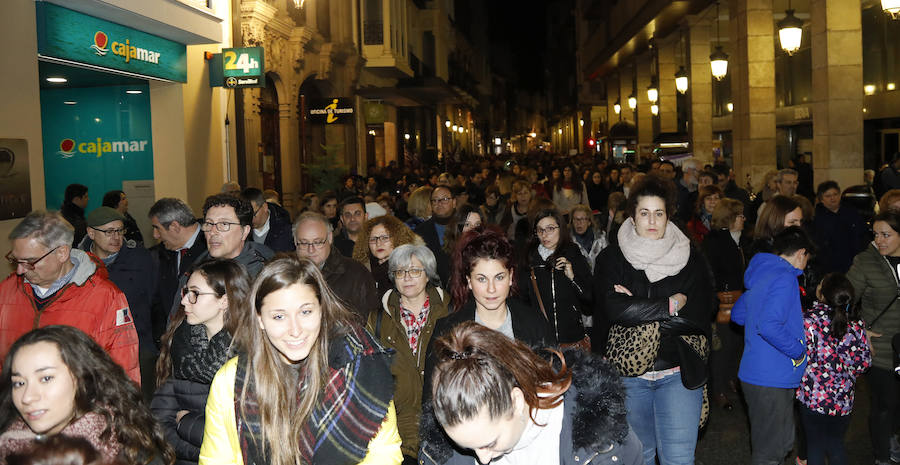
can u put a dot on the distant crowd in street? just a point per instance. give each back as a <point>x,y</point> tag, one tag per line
<point>529,309</point>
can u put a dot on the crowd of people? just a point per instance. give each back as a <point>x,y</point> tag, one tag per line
<point>515,310</point>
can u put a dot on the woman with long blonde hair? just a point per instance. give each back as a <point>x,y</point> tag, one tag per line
<point>310,385</point>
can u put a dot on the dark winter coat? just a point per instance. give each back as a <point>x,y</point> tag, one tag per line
<point>428,233</point>
<point>527,323</point>
<point>726,259</point>
<point>408,368</point>
<point>839,237</point>
<point>565,300</point>
<point>195,362</point>
<point>135,273</point>
<point>280,237</point>
<point>75,216</point>
<point>594,429</point>
<point>352,282</point>
<point>650,301</point>
<point>168,293</point>
<point>876,284</point>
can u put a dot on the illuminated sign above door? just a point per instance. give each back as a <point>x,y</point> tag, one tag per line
<point>69,35</point>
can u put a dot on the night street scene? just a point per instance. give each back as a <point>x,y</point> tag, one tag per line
<point>450,232</point>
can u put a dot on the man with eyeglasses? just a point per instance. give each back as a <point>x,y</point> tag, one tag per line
<point>271,223</point>
<point>351,281</point>
<point>353,215</point>
<point>443,209</point>
<point>54,284</point>
<point>134,271</point>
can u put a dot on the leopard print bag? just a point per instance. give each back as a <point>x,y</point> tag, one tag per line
<point>632,349</point>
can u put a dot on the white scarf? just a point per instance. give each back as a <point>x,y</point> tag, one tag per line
<point>659,258</point>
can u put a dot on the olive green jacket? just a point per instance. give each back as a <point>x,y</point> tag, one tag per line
<point>408,368</point>
<point>876,284</point>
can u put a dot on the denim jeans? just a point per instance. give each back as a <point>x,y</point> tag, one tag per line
<point>665,416</point>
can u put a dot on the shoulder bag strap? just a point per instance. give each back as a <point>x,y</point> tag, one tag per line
<point>537,294</point>
<point>868,326</point>
<point>378,318</point>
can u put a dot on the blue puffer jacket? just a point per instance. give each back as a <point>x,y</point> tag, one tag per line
<point>772,317</point>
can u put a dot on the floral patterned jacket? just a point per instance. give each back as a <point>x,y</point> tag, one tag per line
<point>828,385</point>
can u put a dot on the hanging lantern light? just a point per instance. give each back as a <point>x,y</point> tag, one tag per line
<point>790,32</point>
<point>617,107</point>
<point>654,109</point>
<point>681,80</point>
<point>652,92</point>
<point>891,7</point>
<point>718,63</point>
<point>632,101</point>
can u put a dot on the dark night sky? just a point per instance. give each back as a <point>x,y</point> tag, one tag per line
<point>520,25</point>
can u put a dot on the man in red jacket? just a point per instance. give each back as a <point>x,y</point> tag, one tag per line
<point>54,284</point>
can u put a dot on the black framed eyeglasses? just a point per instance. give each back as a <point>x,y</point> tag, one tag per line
<point>110,232</point>
<point>28,264</point>
<point>192,294</point>
<point>221,226</point>
<point>379,239</point>
<point>315,244</point>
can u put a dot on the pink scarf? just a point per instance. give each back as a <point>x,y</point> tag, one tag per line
<point>19,438</point>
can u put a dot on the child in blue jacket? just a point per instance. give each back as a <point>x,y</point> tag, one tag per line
<point>774,356</point>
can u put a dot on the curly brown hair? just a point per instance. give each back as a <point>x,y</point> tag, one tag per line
<point>102,387</point>
<point>399,232</point>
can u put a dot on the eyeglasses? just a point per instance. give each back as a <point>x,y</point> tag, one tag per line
<point>28,264</point>
<point>314,245</point>
<point>547,230</point>
<point>412,273</point>
<point>221,226</point>
<point>192,294</point>
<point>441,201</point>
<point>379,239</point>
<point>110,232</point>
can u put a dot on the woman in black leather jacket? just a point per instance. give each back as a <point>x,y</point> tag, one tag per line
<point>194,347</point>
<point>555,277</point>
<point>655,275</point>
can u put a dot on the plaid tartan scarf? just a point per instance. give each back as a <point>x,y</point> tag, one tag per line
<point>350,411</point>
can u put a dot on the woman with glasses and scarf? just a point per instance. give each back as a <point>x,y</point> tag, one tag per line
<point>196,344</point>
<point>556,278</point>
<point>411,309</point>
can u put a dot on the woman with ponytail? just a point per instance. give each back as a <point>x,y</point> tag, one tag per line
<point>837,350</point>
<point>499,402</point>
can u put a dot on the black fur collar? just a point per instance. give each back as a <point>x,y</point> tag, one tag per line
<point>597,417</point>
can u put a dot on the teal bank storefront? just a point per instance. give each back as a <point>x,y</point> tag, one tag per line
<point>95,102</point>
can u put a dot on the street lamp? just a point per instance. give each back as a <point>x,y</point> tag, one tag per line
<point>447,123</point>
<point>790,31</point>
<point>718,63</point>
<point>681,80</point>
<point>617,107</point>
<point>652,93</point>
<point>654,109</point>
<point>632,101</point>
<point>455,128</point>
<point>892,7</point>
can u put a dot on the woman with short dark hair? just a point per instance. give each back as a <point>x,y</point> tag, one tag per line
<point>654,279</point>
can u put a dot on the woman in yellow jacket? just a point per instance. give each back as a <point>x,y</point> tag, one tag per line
<point>309,386</point>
